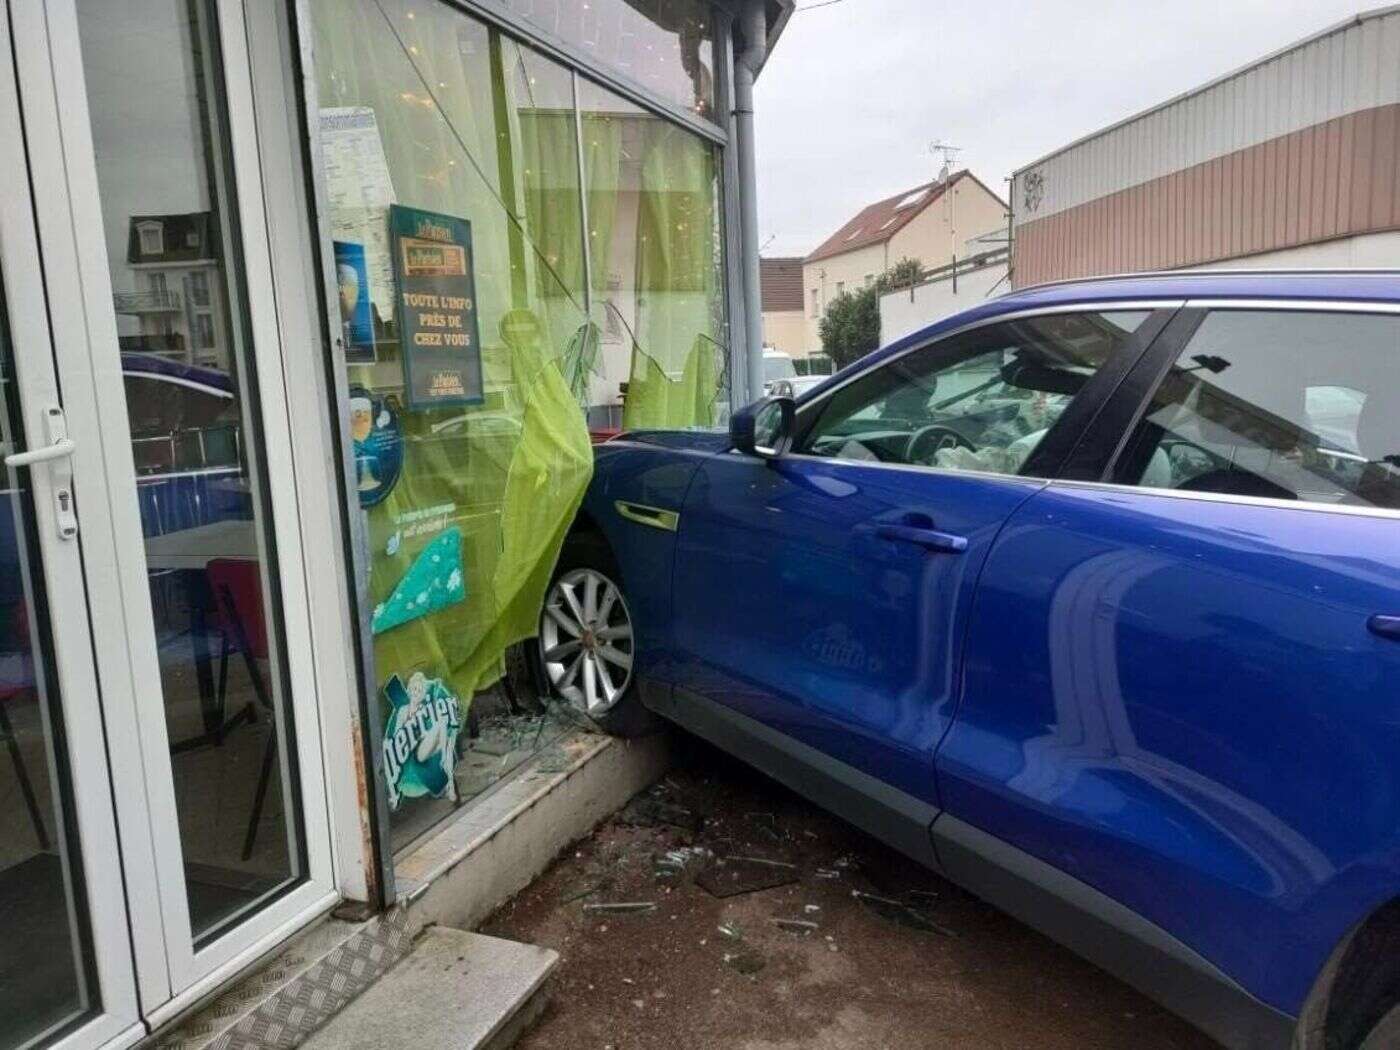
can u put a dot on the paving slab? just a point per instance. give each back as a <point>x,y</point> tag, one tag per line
<point>454,991</point>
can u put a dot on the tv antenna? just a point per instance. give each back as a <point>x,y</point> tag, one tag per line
<point>939,148</point>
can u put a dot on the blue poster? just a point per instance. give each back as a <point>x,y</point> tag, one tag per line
<point>378,444</point>
<point>437,322</point>
<point>356,313</point>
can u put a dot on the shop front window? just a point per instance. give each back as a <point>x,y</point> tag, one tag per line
<point>503,298</point>
<point>471,452</point>
<point>665,46</point>
<point>652,192</point>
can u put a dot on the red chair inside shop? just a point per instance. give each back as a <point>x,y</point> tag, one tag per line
<point>236,584</point>
<point>16,683</point>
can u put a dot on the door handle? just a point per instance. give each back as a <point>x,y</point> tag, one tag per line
<point>60,447</point>
<point>931,539</point>
<point>58,450</point>
<point>656,517</point>
<point>1385,626</point>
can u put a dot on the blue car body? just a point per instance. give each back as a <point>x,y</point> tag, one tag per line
<point>1157,728</point>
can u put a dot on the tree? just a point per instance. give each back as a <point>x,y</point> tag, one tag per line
<point>850,328</point>
<point>902,274</point>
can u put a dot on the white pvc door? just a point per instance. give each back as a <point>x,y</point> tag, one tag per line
<point>143,153</point>
<point>65,958</point>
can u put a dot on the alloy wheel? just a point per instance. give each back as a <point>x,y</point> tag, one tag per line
<point>586,641</point>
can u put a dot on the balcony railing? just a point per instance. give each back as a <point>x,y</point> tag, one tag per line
<point>147,302</point>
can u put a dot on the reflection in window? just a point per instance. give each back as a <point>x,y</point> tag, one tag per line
<point>1279,405</point>
<point>167,199</point>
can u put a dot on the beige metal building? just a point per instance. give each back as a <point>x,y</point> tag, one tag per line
<point>1293,160</point>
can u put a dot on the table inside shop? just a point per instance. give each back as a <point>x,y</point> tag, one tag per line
<point>197,547</point>
<point>190,551</point>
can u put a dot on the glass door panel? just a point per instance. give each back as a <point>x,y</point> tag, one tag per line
<point>47,980</point>
<point>160,133</point>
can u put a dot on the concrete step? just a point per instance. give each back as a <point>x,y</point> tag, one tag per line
<point>295,990</point>
<point>454,991</point>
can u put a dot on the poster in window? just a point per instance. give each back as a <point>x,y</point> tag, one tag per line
<point>356,311</point>
<point>438,330</point>
<point>360,191</point>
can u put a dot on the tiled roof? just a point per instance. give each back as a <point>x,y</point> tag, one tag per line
<point>880,221</point>
<point>781,280</point>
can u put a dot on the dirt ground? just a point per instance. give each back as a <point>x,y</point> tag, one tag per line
<point>917,963</point>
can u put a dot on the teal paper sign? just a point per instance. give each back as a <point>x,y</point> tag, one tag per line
<point>438,332</point>
<point>420,739</point>
<point>434,581</point>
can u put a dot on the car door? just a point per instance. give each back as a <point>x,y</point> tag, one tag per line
<point>821,596</point>
<point>1180,683</point>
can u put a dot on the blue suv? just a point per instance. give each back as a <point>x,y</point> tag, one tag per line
<point>1088,598</point>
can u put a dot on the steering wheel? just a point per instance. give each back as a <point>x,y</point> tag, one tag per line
<point>926,442</point>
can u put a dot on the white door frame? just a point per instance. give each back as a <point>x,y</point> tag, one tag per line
<point>312,389</point>
<point>117,1022</point>
<point>171,972</point>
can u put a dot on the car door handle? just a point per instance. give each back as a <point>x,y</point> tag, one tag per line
<point>931,539</point>
<point>1385,626</point>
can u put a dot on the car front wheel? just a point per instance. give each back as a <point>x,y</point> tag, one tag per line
<point>587,643</point>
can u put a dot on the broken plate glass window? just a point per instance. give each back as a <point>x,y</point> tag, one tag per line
<point>526,262</point>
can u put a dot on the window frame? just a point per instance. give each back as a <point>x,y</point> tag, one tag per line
<point>1117,424</point>
<point>1061,444</point>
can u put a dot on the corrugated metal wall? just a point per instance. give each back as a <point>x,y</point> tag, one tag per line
<point>1302,146</point>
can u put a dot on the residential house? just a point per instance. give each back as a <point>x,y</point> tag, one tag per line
<point>784,327</point>
<point>172,303</point>
<point>927,223</point>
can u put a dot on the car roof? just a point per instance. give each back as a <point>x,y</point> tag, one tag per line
<point>1354,285</point>
<point>137,363</point>
<point>1359,286</point>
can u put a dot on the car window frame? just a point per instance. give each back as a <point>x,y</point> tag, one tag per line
<point>1119,421</point>
<point>1067,434</point>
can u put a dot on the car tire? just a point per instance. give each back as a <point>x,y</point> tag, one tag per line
<point>587,662</point>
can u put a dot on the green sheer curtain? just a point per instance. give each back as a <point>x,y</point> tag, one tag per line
<point>471,126</point>
<point>677,369</point>
<point>654,240</point>
<point>474,125</point>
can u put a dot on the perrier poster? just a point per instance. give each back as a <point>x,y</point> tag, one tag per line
<point>438,331</point>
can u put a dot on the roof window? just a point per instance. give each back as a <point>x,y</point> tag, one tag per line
<point>912,199</point>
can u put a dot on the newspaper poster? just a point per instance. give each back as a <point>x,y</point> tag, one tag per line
<point>438,332</point>
<point>360,192</point>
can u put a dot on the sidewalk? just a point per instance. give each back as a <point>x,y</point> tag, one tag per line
<point>856,948</point>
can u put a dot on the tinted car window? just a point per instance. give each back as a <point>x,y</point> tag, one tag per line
<point>981,401</point>
<point>1278,404</point>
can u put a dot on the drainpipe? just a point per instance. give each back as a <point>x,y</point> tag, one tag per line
<point>754,25</point>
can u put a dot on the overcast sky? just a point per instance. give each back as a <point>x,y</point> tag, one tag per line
<point>855,92</point>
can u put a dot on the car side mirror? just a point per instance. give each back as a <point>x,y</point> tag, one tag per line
<point>764,428</point>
